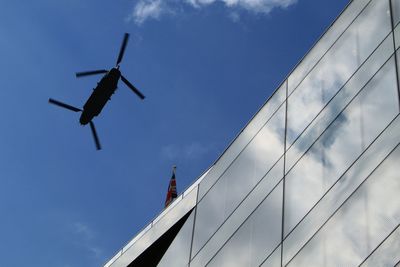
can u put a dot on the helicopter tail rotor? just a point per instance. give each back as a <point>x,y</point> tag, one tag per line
<point>133,88</point>
<point>122,50</point>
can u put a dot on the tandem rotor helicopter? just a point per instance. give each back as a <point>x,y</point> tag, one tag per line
<point>101,94</point>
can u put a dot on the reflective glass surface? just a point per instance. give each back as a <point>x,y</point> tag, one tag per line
<point>245,172</point>
<point>243,139</point>
<point>344,96</point>
<point>397,36</point>
<point>343,141</point>
<point>398,68</point>
<point>396,11</point>
<point>337,66</point>
<point>229,227</point>
<point>274,260</point>
<point>365,219</point>
<point>177,254</point>
<point>387,253</point>
<point>356,174</point>
<point>341,199</point>
<point>257,237</point>
<point>329,38</point>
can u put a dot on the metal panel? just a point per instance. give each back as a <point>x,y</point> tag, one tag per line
<point>157,229</point>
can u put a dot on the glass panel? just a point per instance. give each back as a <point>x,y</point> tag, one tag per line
<point>260,192</point>
<point>337,66</point>
<point>258,236</point>
<point>273,260</point>
<point>245,172</point>
<point>344,140</point>
<point>375,154</point>
<point>397,36</point>
<point>345,95</point>
<point>243,139</point>
<point>398,68</point>
<point>396,11</point>
<point>387,254</point>
<point>177,254</point>
<point>325,43</point>
<point>370,215</point>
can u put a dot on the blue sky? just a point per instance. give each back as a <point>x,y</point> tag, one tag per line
<point>205,66</point>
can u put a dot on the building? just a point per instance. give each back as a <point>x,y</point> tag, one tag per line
<point>313,179</point>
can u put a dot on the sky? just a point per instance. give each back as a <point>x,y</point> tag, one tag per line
<point>205,67</point>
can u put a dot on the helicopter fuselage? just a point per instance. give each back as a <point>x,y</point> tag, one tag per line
<point>101,94</point>
<point>105,88</point>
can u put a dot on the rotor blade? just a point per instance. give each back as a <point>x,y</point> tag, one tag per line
<point>63,105</point>
<point>87,73</point>
<point>122,50</point>
<point>96,138</point>
<point>136,91</point>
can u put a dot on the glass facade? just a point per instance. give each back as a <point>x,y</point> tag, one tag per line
<point>312,180</point>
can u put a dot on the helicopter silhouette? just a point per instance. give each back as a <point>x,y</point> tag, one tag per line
<point>101,94</point>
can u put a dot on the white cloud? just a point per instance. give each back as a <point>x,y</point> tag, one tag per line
<point>86,237</point>
<point>189,151</point>
<point>146,9</point>
<point>234,16</point>
<point>154,9</point>
<point>84,230</point>
<point>256,6</point>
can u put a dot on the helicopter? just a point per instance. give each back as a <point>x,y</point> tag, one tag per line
<point>101,94</point>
